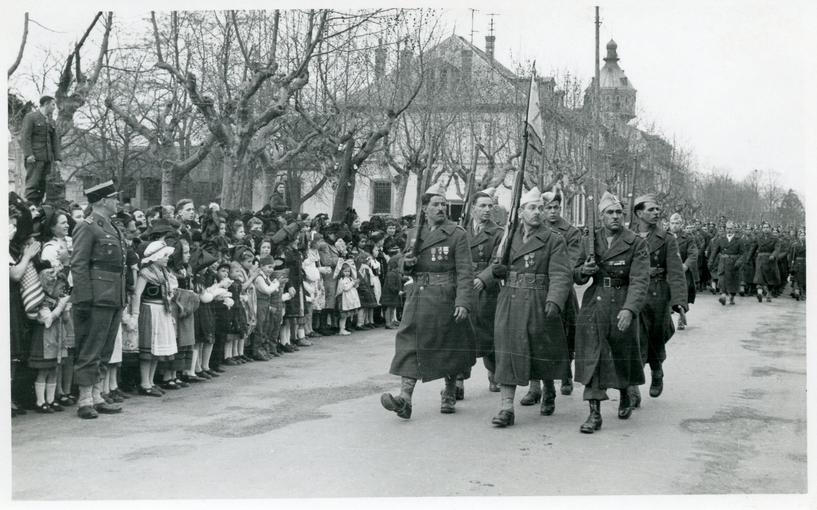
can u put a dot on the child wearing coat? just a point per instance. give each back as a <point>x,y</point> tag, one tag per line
<point>346,290</point>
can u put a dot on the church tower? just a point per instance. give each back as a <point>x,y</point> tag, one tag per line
<point>616,93</point>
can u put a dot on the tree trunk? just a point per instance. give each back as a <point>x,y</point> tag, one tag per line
<point>400,188</point>
<point>345,192</point>
<point>168,184</point>
<point>236,183</point>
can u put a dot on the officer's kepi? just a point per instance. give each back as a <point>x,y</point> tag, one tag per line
<point>100,191</point>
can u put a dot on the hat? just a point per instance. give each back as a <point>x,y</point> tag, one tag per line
<point>643,199</point>
<point>608,200</point>
<point>162,226</point>
<point>201,259</point>
<point>100,191</point>
<point>486,193</point>
<point>157,250</point>
<point>676,217</point>
<point>531,196</point>
<point>436,189</point>
<point>287,234</point>
<point>550,196</point>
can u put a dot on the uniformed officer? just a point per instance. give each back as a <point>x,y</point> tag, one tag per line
<point>797,263</point>
<point>607,331</point>
<point>572,237</point>
<point>484,235</point>
<point>529,334</point>
<point>688,250</point>
<point>667,289</point>
<point>435,338</point>
<point>41,148</point>
<point>98,271</point>
<point>728,251</point>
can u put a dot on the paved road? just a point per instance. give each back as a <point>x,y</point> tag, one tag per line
<point>732,419</point>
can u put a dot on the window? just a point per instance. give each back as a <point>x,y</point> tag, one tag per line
<point>381,197</point>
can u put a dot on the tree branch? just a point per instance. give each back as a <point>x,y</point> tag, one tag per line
<point>22,47</point>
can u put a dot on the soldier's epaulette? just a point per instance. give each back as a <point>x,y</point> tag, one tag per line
<point>88,220</point>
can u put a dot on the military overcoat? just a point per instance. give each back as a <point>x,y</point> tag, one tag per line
<point>529,345</point>
<point>483,308</point>
<point>730,258</point>
<point>98,263</point>
<point>429,343</point>
<point>620,284</point>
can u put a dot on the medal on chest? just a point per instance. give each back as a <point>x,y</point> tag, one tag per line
<point>530,260</point>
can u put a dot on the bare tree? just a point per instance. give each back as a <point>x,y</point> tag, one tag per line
<point>22,47</point>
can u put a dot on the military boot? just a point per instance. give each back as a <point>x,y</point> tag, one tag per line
<point>593,422</point>
<point>625,408</point>
<point>549,400</point>
<point>657,385</point>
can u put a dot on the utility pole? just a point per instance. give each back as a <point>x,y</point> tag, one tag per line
<point>596,154</point>
<point>473,11</point>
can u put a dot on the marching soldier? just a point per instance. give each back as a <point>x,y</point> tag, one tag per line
<point>607,331</point>
<point>797,263</point>
<point>529,335</point>
<point>483,237</point>
<point>666,292</point>
<point>766,270</point>
<point>728,250</point>
<point>572,237</point>
<point>434,339</point>
<point>747,272</point>
<point>98,271</point>
<point>688,251</point>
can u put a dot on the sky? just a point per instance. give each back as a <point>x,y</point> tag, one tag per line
<point>730,81</point>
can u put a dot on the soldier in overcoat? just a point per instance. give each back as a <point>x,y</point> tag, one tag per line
<point>608,352</point>
<point>666,292</point>
<point>435,338</point>
<point>529,335</point>
<point>767,274</point>
<point>483,237</point>
<point>688,251</point>
<point>747,272</point>
<point>728,250</point>
<point>572,237</point>
<point>797,263</point>
<point>98,270</point>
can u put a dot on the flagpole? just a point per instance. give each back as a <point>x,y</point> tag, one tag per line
<point>516,198</point>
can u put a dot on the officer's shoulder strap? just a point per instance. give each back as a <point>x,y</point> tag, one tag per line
<point>89,220</point>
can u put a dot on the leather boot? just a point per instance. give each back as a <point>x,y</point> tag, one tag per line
<point>593,422</point>
<point>549,401</point>
<point>533,396</point>
<point>567,386</point>
<point>635,396</point>
<point>448,396</point>
<point>460,389</point>
<point>657,385</point>
<point>625,409</point>
<point>493,387</point>
<point>397,404</point>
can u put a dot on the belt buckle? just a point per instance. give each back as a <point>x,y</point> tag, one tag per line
<point>607,282</point>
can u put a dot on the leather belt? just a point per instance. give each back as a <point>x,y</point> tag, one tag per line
<point>608,282</point>
<point>527,280</point>
<point>111,268</point>
<point>434,278</point>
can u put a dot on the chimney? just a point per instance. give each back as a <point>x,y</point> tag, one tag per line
<point>490,40</point>
<point>467,57</point>
<point>380,60</point>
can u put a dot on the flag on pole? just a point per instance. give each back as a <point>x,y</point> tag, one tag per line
<point>534,114</point>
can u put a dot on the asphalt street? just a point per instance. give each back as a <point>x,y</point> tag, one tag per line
<point>731,420</point>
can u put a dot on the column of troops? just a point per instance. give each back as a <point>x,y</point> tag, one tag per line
<point>524,320</point>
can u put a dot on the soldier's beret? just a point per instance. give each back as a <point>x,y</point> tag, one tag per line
<point>643,199</point>
<point>100,191</point>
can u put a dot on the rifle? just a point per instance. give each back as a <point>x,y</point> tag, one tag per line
<point>465,218</point>
<point>591,231</point>
<point>516,198</point>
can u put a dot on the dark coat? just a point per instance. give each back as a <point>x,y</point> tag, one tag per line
<point>483,308</point>
<point>666,289</point>
<point>688,250</point>
<point>599,343</point>
<point>766,270</point>
<point>747,272</point>
<point>797,263</point>
<point>329,258</point>
<point>98,263</point>
<point>39,136</point>
<point>573,240</point>
<point>730,258</point>
<point>429,344</point>
<point>529,345</point>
